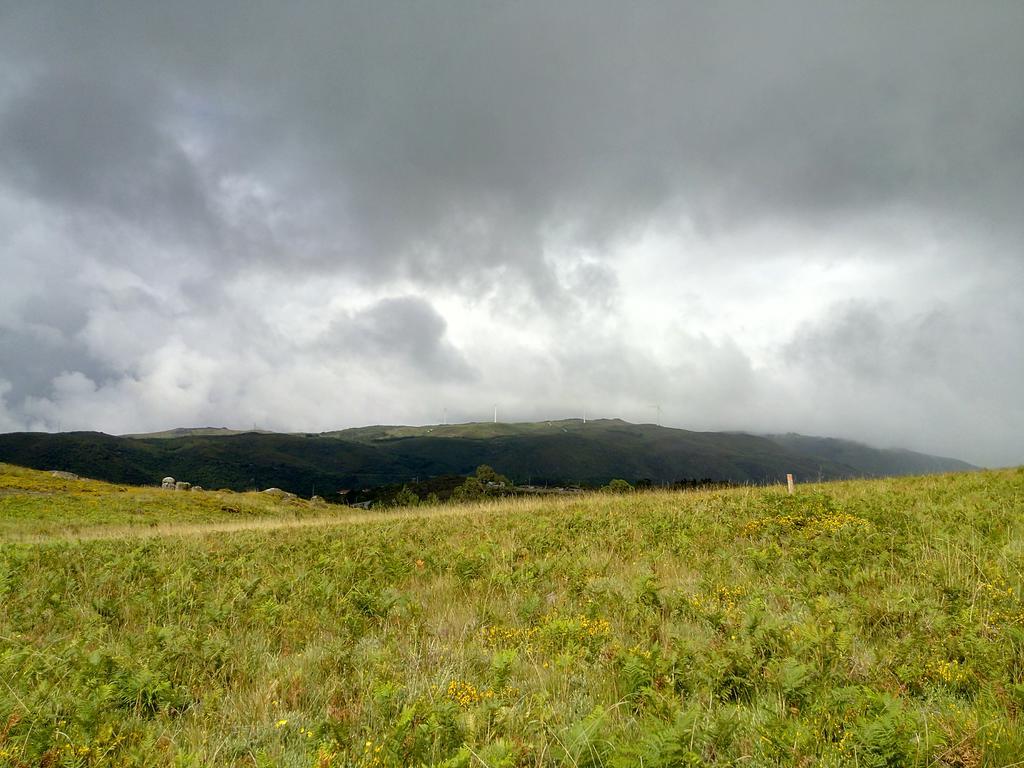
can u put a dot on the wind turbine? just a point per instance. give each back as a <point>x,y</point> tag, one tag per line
<point>657,411</point>
<point>495,413</point>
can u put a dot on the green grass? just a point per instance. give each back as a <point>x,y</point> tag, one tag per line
<point>869,623</point>
<point>477,430</point>
<point>34,504</point>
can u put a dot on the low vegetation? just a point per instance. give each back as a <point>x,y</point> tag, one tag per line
<point>870,623</point>
<point>618,485</point>
<point>37,504</point>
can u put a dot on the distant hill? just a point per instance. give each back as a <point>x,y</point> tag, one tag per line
<point>871,461</point>
<point>194,431</point>
<point>551,452</point>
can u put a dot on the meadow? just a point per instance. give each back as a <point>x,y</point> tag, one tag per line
<point>865,623</point>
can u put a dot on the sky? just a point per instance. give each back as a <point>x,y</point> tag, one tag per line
<point>766,217</point>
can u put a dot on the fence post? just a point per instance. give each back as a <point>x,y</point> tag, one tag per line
<point>790,483</point>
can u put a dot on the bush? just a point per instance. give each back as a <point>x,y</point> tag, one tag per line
<point>486,475</point>
<point>471,490</point>
<point>486,482</point>
<point>406,498</point>
<point>618,485</point>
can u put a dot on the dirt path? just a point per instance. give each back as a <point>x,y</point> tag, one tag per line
<point>108,532</point>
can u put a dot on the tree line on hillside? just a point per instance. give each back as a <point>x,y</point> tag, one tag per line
<point>487,483</point>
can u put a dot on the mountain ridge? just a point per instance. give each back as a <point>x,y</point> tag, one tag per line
<point>556,452</point>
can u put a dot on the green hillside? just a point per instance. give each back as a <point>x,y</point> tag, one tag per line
<point>556,453</point>
<point>864,623</point>
<point>197,431</point>
<point>872,461</point>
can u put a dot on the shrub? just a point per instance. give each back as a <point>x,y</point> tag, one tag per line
<point>618,485</point>
<point>406,498</point>
<point>486,475</point>
<point>471,490</point>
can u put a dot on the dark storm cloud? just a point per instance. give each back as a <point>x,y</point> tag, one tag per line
<point>96,147</point>
<point>424,127</point>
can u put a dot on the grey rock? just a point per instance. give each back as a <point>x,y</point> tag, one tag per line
<point>278,492</point>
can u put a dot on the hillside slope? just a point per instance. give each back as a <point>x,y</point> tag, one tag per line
<point>871,461</point>
<point>870,623</point>
<point>556,452</point>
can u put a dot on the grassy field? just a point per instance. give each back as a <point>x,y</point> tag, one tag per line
<point>872,623</point>
<point>37,505</point>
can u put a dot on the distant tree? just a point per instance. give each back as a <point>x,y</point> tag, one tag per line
<point>486,474</point>
<point>471,490</point>
<point>618,485</point>
<point>406,498</point>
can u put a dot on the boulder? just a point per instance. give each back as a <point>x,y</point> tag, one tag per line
<point>316,500</point>
<point>64,475</point>
<point>167,484</point>
<point>181,485</point>
<point>279,493</point>
<point>197,487</point>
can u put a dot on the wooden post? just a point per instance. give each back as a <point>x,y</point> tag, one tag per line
<point>790,483</point>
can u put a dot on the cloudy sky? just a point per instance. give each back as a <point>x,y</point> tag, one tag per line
<point>761,216</point>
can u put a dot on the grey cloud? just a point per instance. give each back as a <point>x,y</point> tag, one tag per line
<point>409,123</point>
<point>34,357</point>
<point>406,330</point>
<point>854,340</point>
<point>947,379</point>
<point>39,338</point>
<point>963,346</point>
<point>56,310</point>
<point>97,147</point>
<point>99,332</point>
